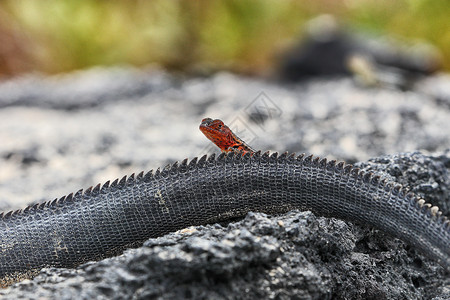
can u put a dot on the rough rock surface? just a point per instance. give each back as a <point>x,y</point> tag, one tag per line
<point>60,134</point>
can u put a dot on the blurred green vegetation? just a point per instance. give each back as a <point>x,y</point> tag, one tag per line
<point>240,35</point>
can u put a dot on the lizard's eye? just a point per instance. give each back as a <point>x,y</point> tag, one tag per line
<point>219,126</point>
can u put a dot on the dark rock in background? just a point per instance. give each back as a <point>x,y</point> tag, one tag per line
<point>60,134</point>
<point>330,50</point>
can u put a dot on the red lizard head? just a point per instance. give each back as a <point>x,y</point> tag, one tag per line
<point>218,133</point>
<point>221,135</point>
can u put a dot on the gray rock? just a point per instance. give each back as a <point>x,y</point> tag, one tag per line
<point>82,89</point>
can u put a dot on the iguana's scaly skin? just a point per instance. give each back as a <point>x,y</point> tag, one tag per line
<point>103,221</point>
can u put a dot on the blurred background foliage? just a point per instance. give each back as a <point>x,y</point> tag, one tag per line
<point>244,36</point>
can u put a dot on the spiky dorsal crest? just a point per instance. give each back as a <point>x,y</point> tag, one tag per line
<point>26,209</point>
<point>291,157</point>
<point>238,156</point>
<point>412,198</point>
<point>114,183</point>
<point>193,163</point>
<point>246,156</point>
<point>331,165</point>
<point>41,205</point>
<point>340,167</point>
<point>257,154</point>
<point>308,160</point>
<point>202,160</point>
<point>174,168</point>
<point>221,157</point>
<point>354,172</point>
<point>183,167</point>
<point>283,156</point>
<point>96,190</point>
<point>367,177</point>
<point>131,180</point>
<point>383,182</point>
<point>88,191</point>
<point>52,203</point>
<point>403,191</point>
<point>426,209</point>
<point>157,173</point>
<point>265,156</point>
<point>396,189</point>
<point>300,157</point>
<point>79,194</point>
<point>105,186</point>
<point>231,156</point>
<point>122,182</point>
<point>166,171</point>
<point>315,161</point>
<point>347,169</point>
<point>323,163</point>
<point>148,176</point>
<point>376,180</point>
<point>388,186</point>
<point>70,197</point>
<point>211,158</point>
<point>273,157</point>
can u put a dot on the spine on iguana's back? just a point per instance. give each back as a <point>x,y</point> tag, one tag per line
<point>103,221</point>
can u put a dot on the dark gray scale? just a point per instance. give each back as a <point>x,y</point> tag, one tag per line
<point>103,221</point>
